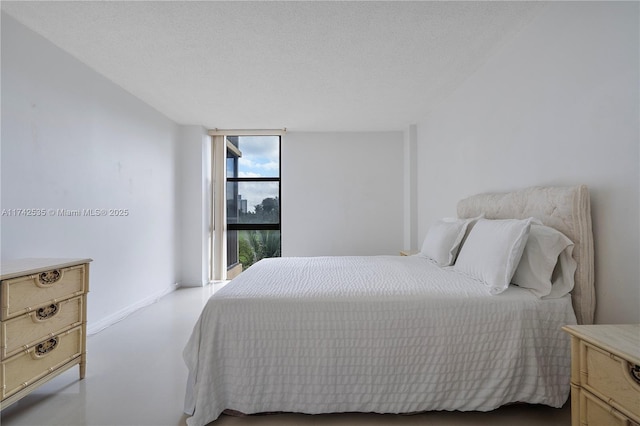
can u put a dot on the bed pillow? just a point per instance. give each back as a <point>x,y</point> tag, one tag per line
<point>492,251</point>
<point>443,240</point>
<point>546,259</point>
<point>563,277</point>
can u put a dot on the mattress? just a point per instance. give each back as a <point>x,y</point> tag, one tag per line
<point>386,334</point>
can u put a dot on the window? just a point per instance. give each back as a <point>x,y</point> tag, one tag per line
<point>253,199</point>
<point>245,202</point>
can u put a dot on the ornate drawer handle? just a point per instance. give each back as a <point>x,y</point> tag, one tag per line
<point>634,370</point>
<point>50,277</point>
<point>46,347</point>
<point>47,312</point>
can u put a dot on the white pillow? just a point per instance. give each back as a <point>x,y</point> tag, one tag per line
<point>492,251</point>
<point>546,265</point>
<point>563,277</point>
<point>443,240</point>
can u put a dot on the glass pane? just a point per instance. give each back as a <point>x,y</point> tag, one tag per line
<point>256,245</point>
<point>232,248</point>
<point>260,156</point>
<point>234,203</point>
<point>232,166</point>
<point>253,202</point>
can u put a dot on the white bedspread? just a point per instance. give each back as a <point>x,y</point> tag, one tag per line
<point>389,334</point>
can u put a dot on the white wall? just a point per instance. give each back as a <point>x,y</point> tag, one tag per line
<point>556,106</point>
<point>410,166</point>
<point>194,200</point>
<point>71,139</point>
<point>342,193</point>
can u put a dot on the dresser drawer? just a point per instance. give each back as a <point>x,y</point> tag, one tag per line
<point>597,413</point>
<point>26,330</point>
<point>609,377</point>
<point>26,367</point>
<point>24,294</point>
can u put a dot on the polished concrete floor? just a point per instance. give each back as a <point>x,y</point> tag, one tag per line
<point>136,376</point>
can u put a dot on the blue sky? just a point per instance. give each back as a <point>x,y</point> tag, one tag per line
<point>260,158</point>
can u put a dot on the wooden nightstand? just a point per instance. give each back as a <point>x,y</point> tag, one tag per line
<point>408,252</point>
<point>605,374</point>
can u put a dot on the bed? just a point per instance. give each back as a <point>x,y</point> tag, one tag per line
<point>395,334</point>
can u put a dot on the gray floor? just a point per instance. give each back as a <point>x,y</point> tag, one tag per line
<point>136,376</point>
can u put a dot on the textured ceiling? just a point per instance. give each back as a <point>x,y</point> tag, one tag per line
<point>326,66</point>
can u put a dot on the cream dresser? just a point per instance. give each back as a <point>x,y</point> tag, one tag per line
<point>43,322</point>
<point>605,374</point>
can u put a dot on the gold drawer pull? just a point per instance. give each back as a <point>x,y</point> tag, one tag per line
<point>50,277</point>
<point>45,347</point>
<point>47,312</point>
<point>634,370</point>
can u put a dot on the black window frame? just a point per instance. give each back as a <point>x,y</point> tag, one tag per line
<point>258,226</point>
<point>261,226</point>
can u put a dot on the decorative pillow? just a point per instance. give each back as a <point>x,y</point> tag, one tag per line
<point>547,251</point>
<point>492,251</point>
<point>443,240</point>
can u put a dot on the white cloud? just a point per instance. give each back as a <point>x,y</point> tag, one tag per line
<point>260,155</point>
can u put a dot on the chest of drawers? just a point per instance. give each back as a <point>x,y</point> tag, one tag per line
<point>43,322</point>
<point>605,375</point>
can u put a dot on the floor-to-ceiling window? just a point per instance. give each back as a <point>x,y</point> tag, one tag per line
<point>253,199</point>
<point>247,217</point>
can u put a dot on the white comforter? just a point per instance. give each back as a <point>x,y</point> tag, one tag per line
<point>372,334</point>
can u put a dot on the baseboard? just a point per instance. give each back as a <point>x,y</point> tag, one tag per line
<point>97,326</point>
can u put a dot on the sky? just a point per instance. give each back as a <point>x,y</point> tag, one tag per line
<point>260,158</point>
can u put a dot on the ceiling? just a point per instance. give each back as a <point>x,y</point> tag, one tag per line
<point>306,66</point>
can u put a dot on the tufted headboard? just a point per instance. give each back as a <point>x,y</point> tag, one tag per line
<point>566,209</point>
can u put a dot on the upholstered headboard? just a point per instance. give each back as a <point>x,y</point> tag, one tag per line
<point>566,209</point>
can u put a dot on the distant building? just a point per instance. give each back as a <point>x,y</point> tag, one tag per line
<point>242,204</point>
